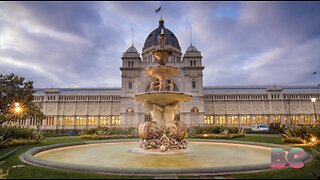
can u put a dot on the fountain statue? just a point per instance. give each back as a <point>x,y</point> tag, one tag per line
<point>163,133</point>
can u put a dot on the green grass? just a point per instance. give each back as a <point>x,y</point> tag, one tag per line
<point>44,173</point>
<point>274,140</point>
<point>33,172</point>
<point>6,150</point>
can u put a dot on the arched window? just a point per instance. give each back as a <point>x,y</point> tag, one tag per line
<point>130,110</point>
<point>194,109</point>
<point>191,64</point>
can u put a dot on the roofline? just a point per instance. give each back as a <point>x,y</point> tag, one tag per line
<point>80,89</point>
<point>262,87</point>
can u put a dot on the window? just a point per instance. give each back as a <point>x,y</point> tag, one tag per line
<point>234,120</point>
<point>130,110</point>
<point>194,110</point>
<point>220,120</point>
<point>130,85</point>
<point>115,120</point>
<point>67,121</point>
<point>80,121</point>
<point>92,121</point>
<point>194,85</point>
<point>208,119</point>
<point>257,119</point>
<point>245,120</point>
<point>104,121</point>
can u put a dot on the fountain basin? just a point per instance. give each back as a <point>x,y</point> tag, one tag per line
<point>115,157</point>
<point>162,71</point>
<point>163,98</point>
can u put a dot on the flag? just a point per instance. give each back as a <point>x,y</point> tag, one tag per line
<point>314,73</point>
<point>157,10</point>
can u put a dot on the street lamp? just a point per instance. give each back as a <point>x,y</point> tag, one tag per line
<point>313,100</point>
<point>289,113</point>
<point>17,107</point>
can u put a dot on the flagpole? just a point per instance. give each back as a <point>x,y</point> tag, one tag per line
<point>161,10</point>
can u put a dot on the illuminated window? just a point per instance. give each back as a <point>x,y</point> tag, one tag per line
<point>257,120</point>
<point>245,120</point>
<point>115,120</point>
<point>104,121</point>
<point>92,121</point>
<point>234,120</point>
<point>49,121</point>
<point>220,120</point>
<point>208,119</point>
<point>306,119</point>
<point>80,121</point>
<point>295,119</point>
<point>277,119</point>
<point>67,121</point>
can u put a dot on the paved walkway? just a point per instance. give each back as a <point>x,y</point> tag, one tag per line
<point>265,135</point>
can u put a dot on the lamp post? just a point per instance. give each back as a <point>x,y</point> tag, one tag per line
<point>313,100</point>
<point>17,109</point>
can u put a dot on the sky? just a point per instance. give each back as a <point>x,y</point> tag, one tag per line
<point>80,44</point>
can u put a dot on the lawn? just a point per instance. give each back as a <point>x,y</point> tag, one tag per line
<point>29,171</point>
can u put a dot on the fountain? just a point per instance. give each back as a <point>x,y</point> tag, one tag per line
<point>163,133</point>
<point>164,149</point>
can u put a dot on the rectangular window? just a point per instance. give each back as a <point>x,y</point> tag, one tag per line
<point>104,121</point>
<point>130,85</point>
<point>92,121</point>
<point>67,121</point>
<point>208,119</point>
<point>245,120</point>
<point>220,120</point>
<point>234,120</point>
<point>194,85</point>
<point>80,121</point>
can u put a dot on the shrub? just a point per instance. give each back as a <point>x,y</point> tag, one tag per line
<point>304,133</point>
<point>271,131</point>
<point>195,130</point>
<point>109,133</point>
<point>218,136</point>
<point>295,140</point>
<point>20,142</point>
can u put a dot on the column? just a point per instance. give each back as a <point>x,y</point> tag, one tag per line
<point>283,119</point>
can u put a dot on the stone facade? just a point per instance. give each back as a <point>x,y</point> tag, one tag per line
<point>75,109</point>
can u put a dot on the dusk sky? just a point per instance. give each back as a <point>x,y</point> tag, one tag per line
<point>80,44</point>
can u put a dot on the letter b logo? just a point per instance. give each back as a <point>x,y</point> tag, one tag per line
<point>295,158</point>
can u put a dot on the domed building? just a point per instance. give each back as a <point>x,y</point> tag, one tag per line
<point>79,108</point>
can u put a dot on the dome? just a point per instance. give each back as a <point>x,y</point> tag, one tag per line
<point>191,48</point>
<point>132,49</point>
<point>152,39</point>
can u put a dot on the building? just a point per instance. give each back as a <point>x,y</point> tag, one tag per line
<point>76,109</point>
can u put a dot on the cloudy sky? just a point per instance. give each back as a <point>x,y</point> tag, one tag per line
<point>80,44</point>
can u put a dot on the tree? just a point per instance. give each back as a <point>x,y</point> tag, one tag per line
<point>16,89</point>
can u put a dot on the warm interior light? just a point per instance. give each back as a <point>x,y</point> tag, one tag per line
<point>205,135</point>
<point>17,109</point>
<point>313,99</point>
<point>313,139</point>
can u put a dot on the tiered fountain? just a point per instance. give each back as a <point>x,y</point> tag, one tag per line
<point>163,133</point>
